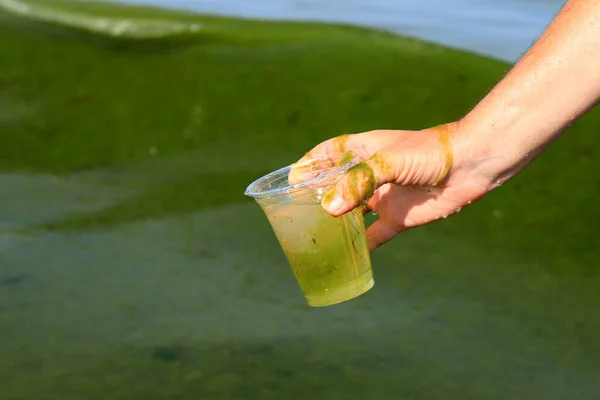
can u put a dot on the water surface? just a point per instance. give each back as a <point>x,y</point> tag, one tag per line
<point>132,266</point>
<point>500,28</point>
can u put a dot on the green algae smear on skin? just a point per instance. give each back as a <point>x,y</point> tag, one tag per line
<point>135,28</point>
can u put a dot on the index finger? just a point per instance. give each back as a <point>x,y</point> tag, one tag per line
<point>333,152</point>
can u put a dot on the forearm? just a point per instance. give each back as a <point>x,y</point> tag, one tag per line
<point>556,82</point>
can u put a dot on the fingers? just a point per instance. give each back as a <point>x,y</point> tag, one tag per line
<point>398,207</point>
<point>306,169</point>
<point>355,143</point>
<point>391,224</point>
<point>359,184</point>
<point>380,233</point>
<point>321,158</point>
<point>410,159</point>
<point>332,153</point>
<point>402,208</point>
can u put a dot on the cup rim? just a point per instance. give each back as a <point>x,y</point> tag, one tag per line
<point>299,185</point>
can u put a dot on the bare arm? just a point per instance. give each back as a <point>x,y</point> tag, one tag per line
<point>556,82</point>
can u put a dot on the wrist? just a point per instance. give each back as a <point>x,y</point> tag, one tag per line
<point>493,154</point>
<point>479,159</point>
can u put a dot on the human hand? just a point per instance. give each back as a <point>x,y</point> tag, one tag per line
<point>409,178</point>
<point>412,178</point>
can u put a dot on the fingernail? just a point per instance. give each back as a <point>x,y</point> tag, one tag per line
<point>335,205</point>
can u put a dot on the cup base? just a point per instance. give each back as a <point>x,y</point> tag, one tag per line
<point>349,291</point>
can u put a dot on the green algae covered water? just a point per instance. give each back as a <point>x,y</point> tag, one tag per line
<point>132,266</point>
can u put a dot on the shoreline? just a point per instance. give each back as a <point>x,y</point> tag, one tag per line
<point>74,15</point>
<point>503,30</point>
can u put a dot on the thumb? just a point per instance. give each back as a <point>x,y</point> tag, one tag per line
<point>424,163</point>
<point>359,183</point>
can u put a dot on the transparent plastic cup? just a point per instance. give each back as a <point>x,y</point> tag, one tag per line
<point>328,255</point>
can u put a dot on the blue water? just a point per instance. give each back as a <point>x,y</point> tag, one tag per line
<point>502,29</point>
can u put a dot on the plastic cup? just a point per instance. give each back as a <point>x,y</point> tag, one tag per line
<point>328,255</point>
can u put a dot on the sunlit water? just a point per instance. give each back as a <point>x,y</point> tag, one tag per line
<point>207,298</point>
<point>500,28</point>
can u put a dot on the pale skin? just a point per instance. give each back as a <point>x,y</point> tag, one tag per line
<point>416,177</point>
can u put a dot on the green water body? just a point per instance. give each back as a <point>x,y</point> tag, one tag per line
<point>132,266</point>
